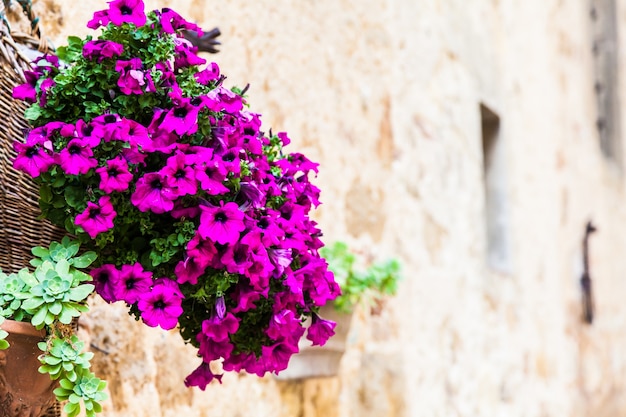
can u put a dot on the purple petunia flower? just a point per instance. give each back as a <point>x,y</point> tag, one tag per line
<point>152,193</point>
<point>90,133</point>
<point>201,377</point>
<point>102,49</point>
<point>221,224</point>
<point>100,18</point>
<point>210,73</point>
<point>172,21</point>
<point>217,329</point>
<point>106,279</point>
<point>97,218</point>
<point>28,90</point>
<point>285,326</point>
<point>77,157</point>
<point>185,54</point>
<point>162,306</point>
<point>32,157</point>
<point>45,87</point>
<point>179,175</point>
<point>114,176</point>
<point>189,270</point>
<point>133,283</point>
<point>320,330</point>
<point>211,176</point>
<point>275,358</point>
<point>132,77</point>
<point>127,11</point>
<point>182,119</point>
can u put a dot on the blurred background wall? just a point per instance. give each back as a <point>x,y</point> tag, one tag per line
<point>473,140</point>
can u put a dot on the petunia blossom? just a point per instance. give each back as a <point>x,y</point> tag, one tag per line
<point>201,377</point>
<point>131,78</point>
<point>179,175</point>
<point>153,194</point>
<point>114,176</point>
<point>77,157</point>
<point>134,281</point>
<point>221,224</point>
<point>102,49</point>
<point>32,158</point>
<point>97,218</point>
<point>106,278</point>
<point>320,330</point>
<point>127,11</point>
<point>28,90</point>
<point>162,307</point>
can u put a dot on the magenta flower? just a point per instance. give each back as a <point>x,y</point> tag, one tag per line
<point>320,330</point>
<point>237,258</point>
<point>102,49</point>
<point>172,22</point>
<point>28,90</point>
<point>217,329</point>
<point>160,307</point>
<point>221,224</point>
<point>201,377</point>
<point>201,248</point>
<point>132,77</point>
<point>182,119</point>
<point>133,283</point>
<point>185,54</point>
<point>114,176</point>
<point>179,175</point>
<point>210,73</point>
<point>211,176</point>
<point>152,193</point>
<point>77,157</point>
<point>285,326</point>
<point>127,11</point>
<point>45,87</point>
<point>275,358</point>
<point>97,218</point>
<point>190,270</point>
<point>245,298</point>
<point>100,18</point>
<point>222,99</point>
<point>106,279</point>
<point>90,133</point>
<point>32,158</point>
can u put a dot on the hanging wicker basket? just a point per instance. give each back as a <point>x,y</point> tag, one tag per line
<point>20,225</point>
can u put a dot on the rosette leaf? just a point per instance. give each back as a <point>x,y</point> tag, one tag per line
<point>63,357</point>
<point>87,389</point>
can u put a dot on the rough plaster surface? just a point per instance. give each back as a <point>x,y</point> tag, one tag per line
<point>385,94</point>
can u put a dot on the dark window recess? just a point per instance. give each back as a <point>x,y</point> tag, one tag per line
<point>606,76</point>
<point>496,193</point>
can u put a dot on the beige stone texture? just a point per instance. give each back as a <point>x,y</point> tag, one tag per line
<point>385,95</point>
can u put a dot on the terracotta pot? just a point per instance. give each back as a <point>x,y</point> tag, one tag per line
<point>320,361</point>
<point>24,392</point>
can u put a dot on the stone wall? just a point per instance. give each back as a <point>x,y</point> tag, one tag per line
<point>386,95</point>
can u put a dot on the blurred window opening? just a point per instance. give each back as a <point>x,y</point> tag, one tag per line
<point>605,66</point>
<point>496,192</point>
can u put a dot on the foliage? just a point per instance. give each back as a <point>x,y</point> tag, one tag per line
<point>377,280</point>
<point>199,219</point>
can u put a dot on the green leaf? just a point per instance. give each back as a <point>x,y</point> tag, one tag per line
<point>40,251</point>
<point>4,344</point>
<point>32,303</point>
<point>33,112</point>
<point>81,292</point>
<point>68,385</point>
<point>39,317</point>
<point>84,260</point>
